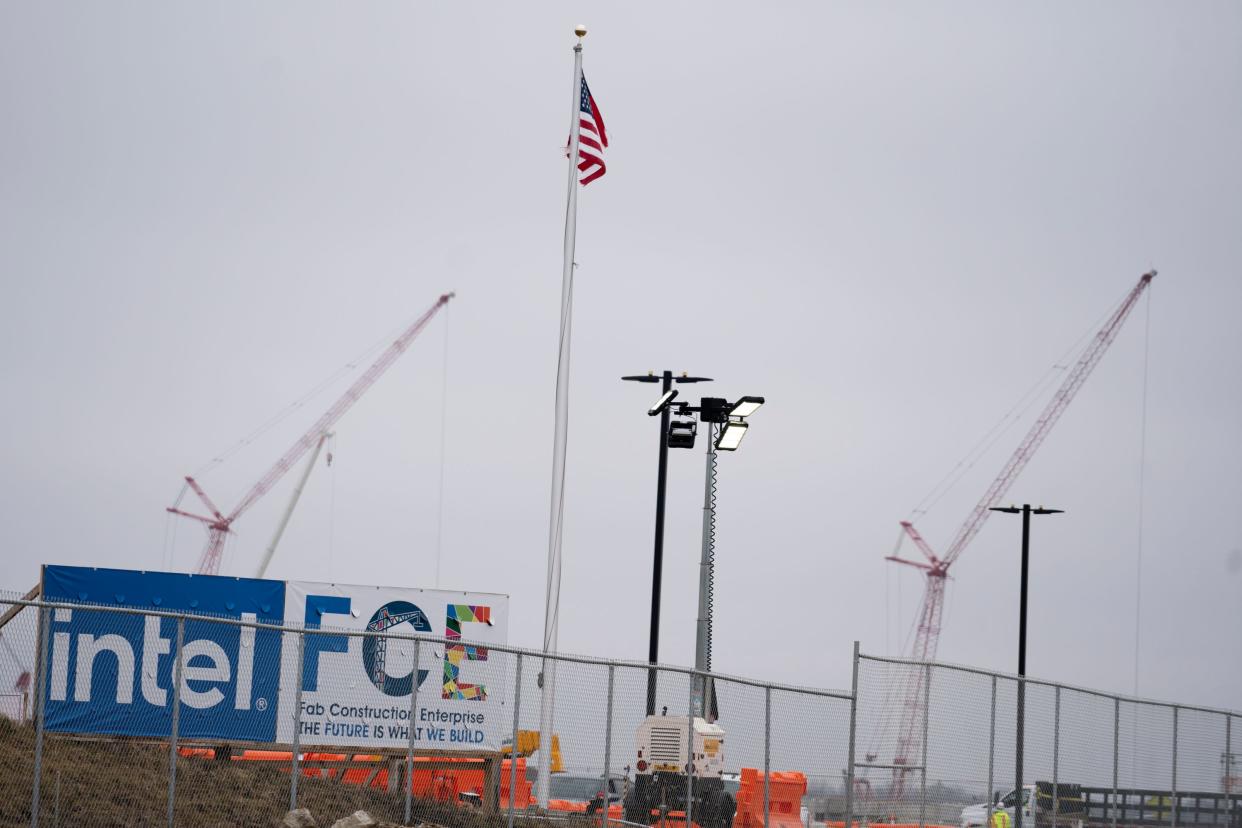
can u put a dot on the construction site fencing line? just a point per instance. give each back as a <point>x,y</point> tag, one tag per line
<point>1047,683</point>
<point>501,648</point>
<point>410,728</point>
<point>957,744</point>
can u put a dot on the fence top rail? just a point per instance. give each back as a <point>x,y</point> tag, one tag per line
<point>961,668</point>
<point>431,639</point>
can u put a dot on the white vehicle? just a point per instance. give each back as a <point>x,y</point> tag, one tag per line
<point>661,768</point>
<point>976,816</point>
<point>1036,807</point>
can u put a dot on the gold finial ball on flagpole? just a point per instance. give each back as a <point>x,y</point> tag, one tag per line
<point>580,31</point>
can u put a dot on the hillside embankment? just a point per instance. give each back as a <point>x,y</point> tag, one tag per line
<point>123,784</point>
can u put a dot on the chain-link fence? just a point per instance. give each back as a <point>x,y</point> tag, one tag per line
<point>953,745</point>
<point>163,718</point>
<point>139,717</point>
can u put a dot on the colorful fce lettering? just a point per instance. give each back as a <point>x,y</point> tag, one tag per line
<point>459,614</point>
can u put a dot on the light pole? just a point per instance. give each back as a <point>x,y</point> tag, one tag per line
<point>662,408</point>
<point>726,426</point>
<point>1026,511</point>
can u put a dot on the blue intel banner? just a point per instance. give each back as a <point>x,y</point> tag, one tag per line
<point>112,673</point>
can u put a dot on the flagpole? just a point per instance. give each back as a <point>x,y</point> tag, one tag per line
<point>551,617</point>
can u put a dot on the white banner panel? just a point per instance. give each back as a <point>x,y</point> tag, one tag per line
<point>356,690</point>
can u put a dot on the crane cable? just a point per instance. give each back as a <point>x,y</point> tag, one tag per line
<point>170,529</point>
<point>331,504</point>
<point>1012,417</point>
<point>293,407</point>
<point>1007,420</point>
<point>443,424</point>
<point>170,537</point>
<point>1138,561</point>
<point>1142,485</point>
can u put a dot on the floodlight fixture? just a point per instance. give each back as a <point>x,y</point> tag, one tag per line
<point>731,435</point>
<point>663,402</point>
<point>746,406</point>
<point>681,433</point>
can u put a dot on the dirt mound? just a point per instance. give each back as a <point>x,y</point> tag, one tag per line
<point>123,783</point>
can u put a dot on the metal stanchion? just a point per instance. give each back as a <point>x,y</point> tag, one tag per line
<point>1056,751</point>
<point>849,776</point>
<point>607,747</point>
<point>1228,766</point>
<point>176,722</point>
<point>1116,755</point>
<point>991,752</point>
<point>767,755</point>
<point>44,630</point>
<point>517,706</point>
<point>690,753</point>
<point>297,724</point>
<point>409,750</point>
<point>923,772</point>
<point>1173,804</point>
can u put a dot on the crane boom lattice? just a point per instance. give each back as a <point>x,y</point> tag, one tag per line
<point>218,526</point>
<point>936,567</point>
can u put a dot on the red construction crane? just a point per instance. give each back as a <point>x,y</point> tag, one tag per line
<point>936,568</point>
<point>218,525</point>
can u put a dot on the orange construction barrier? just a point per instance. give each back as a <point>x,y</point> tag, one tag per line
<point>440,784</point>
<point>785,792</point>
<point>447,784</point>
<point>244,756</point>
<point>675,819</point>
<point>569,806</point>
<point>523,799</point>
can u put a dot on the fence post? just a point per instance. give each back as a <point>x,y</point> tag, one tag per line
<point>44,629</point>
<point>1228,786</point>
<point>297,724</point>
<point>991,751</point>
<point>926,716</point>
<point>1228,762</point>
<point>1116,755</point>
<point>1019,774</point>
<point>517,707</point>
<point>607,747</point>
<point>1173,816</point>
<point>690,752</point>
<point>176,722</point>
<point>409,749</point>
<point>1056,755</point>
<point>849,775</point>
<point>767,755</point>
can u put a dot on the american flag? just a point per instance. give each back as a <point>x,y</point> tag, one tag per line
<point>592,139</point>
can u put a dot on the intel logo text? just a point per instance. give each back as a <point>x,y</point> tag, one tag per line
<point>205,665</point>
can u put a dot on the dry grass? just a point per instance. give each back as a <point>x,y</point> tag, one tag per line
<point>120,783</point>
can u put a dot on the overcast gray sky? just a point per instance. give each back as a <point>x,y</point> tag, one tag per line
<point>890,220</point>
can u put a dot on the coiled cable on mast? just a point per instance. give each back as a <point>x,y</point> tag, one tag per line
<point>709,533</point>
